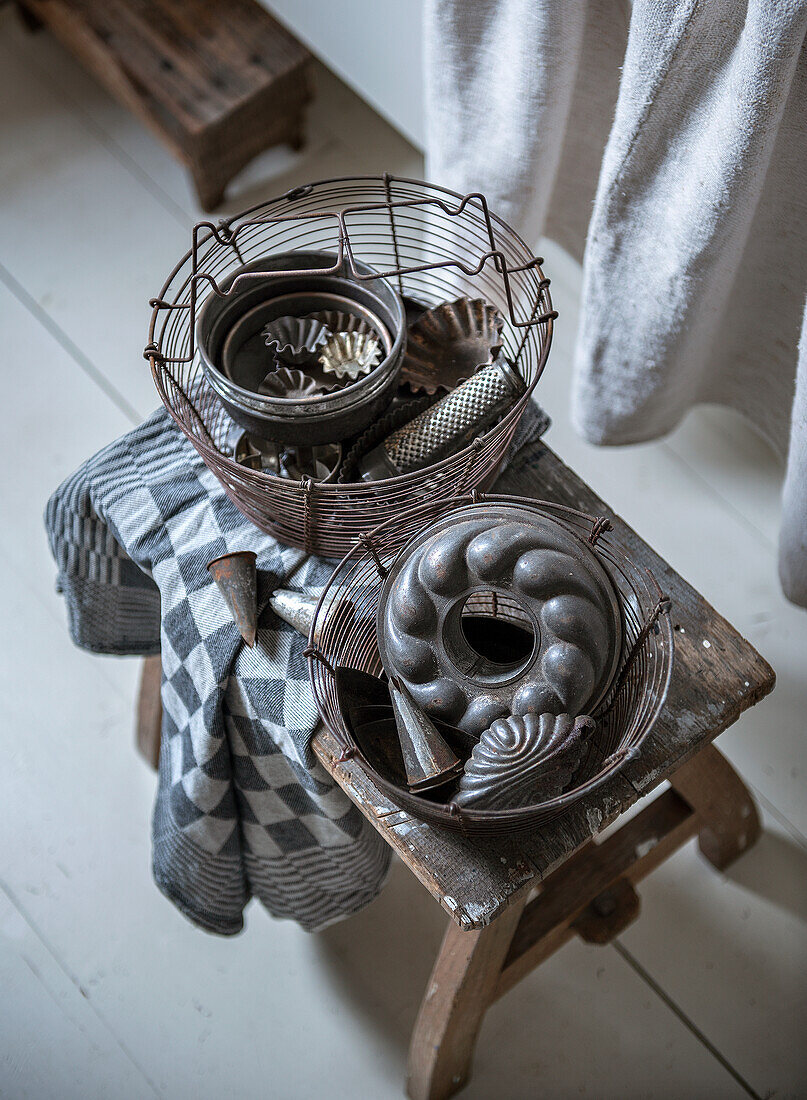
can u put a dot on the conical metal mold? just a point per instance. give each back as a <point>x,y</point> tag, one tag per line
<point>236,575</point>
<point>297,609</point>
<point>366,709</point>
<point>428,759</point>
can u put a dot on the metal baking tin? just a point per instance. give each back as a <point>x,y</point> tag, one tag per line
<point>298,608</point>
<point>427,757</point>
<point>322,464</point>
<point>336,415</point>
<point>447,344</point>
<point>246,356</point>
<point>338,320</point>
<point>291,383</point>
<point>350,354</point>
<point>514,565</point>
<point>255,453</point>
<point>366,708</point>
<point>522,760</point>
<point>294,340</point>
<point>236,576</point>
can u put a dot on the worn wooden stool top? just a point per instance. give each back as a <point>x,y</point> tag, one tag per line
<point>716,676</point>
<point>514,902</point>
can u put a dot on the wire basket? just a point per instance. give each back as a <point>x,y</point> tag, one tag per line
<point>344,627</point>
<point>433,244</point>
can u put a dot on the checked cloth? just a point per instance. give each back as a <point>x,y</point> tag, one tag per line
<point>243,807</point>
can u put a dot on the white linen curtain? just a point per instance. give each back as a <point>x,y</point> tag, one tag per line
<point>664,143</point>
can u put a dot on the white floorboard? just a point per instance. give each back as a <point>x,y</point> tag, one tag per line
<point>106,990</point>
<point>53,1043</point>
<point>733,955</point>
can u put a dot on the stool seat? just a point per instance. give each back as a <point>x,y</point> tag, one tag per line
<point>476,879</point>
<point>514,901</point>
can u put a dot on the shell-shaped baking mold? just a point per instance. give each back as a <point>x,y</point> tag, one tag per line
<point>522,760</point>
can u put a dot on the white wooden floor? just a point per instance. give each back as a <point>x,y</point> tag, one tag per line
<point>106,991</point>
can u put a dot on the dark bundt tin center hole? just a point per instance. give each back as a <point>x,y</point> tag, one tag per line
<point>497,640</point>
<point>490,637</point>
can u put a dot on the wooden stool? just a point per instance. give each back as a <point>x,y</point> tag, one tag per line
<point>219,81</point>
<point>513,902</point>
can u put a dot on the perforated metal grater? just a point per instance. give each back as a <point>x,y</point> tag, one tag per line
<point>447,426</point>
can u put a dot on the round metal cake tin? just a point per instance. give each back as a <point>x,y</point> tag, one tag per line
<point>326,418</point>
<point>530,569</point>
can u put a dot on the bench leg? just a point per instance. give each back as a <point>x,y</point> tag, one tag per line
<point>149,711</point>
<point>724,805</point>
<point>459,992</point>
<point>208,186</point>
<point>28,19</point>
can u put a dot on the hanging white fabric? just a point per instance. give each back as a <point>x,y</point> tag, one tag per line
<point>665,144</point>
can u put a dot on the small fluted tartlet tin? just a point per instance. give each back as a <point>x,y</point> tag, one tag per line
<point>450,342</point>
<point>291,383</point>
<point>294,340</point>
<point>350,355</point>
<point>336,320</point>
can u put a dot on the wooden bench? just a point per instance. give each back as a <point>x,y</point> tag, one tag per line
<point>513,902</point>
<point>218,81</point>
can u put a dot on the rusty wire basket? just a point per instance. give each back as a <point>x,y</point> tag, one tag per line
<point>433,244</point>
<point>344,628</point>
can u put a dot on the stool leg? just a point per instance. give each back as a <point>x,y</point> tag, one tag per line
<point>296,133</point>
<point>460,990</point>
<point>149,710</point>
<point>208,186</point>
<point>29,21</point>
<point>723,803</point>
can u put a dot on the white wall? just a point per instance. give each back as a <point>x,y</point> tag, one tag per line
<point>373,45</point>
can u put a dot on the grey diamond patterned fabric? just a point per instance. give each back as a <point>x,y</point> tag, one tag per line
<point>243,808</point>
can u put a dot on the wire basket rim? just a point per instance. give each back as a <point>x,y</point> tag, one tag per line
<point>293,193</point>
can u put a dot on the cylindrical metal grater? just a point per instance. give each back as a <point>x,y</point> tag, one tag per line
<point>447,426</point>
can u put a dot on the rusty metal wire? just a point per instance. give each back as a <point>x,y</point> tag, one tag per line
<point>437,245</point>
<point>345,627</point>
